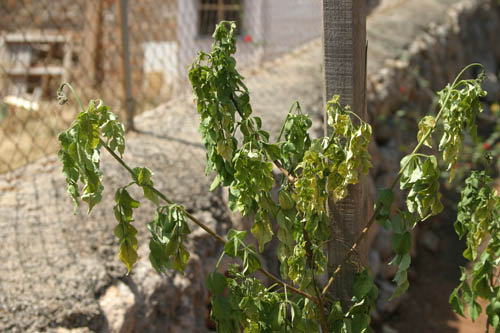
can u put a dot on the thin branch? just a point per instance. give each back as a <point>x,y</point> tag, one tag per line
<point>288,286</point>
<point>351,251</point>
<point>207,229</point>
<point>291,179</point>
<point>61,96</point>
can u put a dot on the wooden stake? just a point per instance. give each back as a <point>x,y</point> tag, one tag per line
<point>344,47</point>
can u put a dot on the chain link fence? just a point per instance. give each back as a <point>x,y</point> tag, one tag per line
<point>132,54</point>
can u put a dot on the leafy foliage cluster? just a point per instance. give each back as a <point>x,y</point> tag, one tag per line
<point>244,159</point>
<point>478,221</point>
<point>311,168</point>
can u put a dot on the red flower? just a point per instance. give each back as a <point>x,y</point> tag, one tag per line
<point>486,145</point>
<point>402,89</point>
<point>456,165</point>
<point>248,38</point>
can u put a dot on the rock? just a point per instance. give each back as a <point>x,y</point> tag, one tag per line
<point>383,305</point>
<point>384,132</point>
<point>388,329</point>
<point>119,307</point>
<point>173,300</point>
<point>383,245</point>
<point>429,240</point>
<point>492,86</point>
<point>371,195</point>
<point>376,158</point>
<point>375,316</point>
<point>414,239</point>
<point>72,330</point>
<point>388,271</point>
<point>375,263</point>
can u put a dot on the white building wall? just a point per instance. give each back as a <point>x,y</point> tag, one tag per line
<point>167,63</point>
<point>190,43</point>
<point>290,23</point>
<point>274,27</point>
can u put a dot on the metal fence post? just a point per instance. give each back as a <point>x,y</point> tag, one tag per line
<point>125,57</point>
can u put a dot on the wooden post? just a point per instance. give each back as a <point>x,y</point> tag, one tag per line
<point>344,47</point>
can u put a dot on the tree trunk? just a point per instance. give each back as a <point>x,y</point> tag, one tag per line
<point>344,47</point>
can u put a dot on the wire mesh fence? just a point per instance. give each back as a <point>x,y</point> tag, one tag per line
<point>45,42</point>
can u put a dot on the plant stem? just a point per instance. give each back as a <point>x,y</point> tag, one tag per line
<point>364,232</point>
<point>66,84</point>
<point>286,118</point>
<point>204,227</point>
<point>288,286</point>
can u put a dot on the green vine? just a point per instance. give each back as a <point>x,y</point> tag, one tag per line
<point>479,221</point>
<point>243,158</point>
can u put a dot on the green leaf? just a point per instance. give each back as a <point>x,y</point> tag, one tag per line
<point>401,243</point>
<point>128,252</point>
<point>456,303</point>
<point>285,199</point>
<point>217,181</point>
<point>404,261</point>
<point>172,245</point>
<point>125,230</point>
<point>220,307</point>
<point>169,229</point>
<point>234,234</point>
<point>336,313</point>
<point>482,287</point>
<point>384,201</point>
<point>252,262</point>
<point>474,310</point>
<point>272,150</point>
<point>234,238</point>
<point>180,259</point>
<point>400,289</point>
<point>363,283</point>
<point>360,322</point>
<point>124,205</point>
<point>386,197</point>
<point>157,256</point>
<point>124,199</point>
<point>143,176</point>
<point>425,125</point>
<point>288,147</point>
<point>261,229</point>
<point>151,195</point>
<point>460,106</point>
